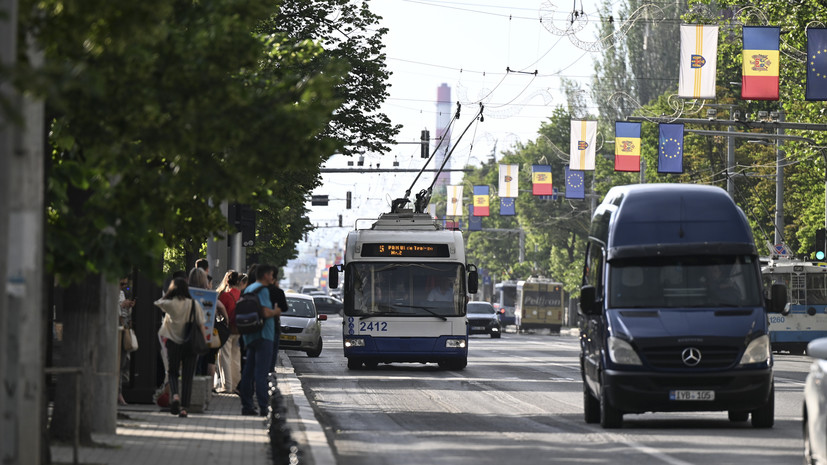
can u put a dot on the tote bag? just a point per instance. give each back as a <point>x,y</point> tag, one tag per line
<point>193,337</point>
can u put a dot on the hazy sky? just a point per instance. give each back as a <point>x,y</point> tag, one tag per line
<point>468,45</point>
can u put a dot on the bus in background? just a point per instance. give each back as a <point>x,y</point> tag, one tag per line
<point>504,300</point>
<point>539,305</point>
<point>406,286</point>
<point>806,318</point>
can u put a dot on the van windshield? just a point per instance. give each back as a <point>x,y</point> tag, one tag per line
<point>685,282</point>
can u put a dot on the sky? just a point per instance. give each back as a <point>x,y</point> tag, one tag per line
<point>469,45</point>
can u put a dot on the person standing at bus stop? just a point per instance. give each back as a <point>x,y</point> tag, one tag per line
<point>259,347</point>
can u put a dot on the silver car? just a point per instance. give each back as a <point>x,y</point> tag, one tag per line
<point>301,327</point>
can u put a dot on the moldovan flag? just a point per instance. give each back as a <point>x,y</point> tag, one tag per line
<point>761,64</point>
<point>698,59</point>
<point>480,201</point>
<point>509,185</point>
<point>575,184</point>
<point>583,141</point>
<point>541,180</point>
<point>670,148</point>
<point>816,64</point>
<point>474,222</point>
<point>454,204</point>
<point>627,146</point>
<point>507,207</point>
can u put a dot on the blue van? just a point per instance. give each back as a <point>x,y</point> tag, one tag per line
<point>673,314</point>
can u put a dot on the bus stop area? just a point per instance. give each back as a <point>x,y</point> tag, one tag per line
<point>148,434</point>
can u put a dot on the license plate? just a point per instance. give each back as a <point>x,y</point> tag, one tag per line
<point>478,328</point>
<point>285,337</point>
<point>692,395</point>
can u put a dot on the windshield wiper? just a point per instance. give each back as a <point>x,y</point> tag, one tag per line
<point>427,310</point>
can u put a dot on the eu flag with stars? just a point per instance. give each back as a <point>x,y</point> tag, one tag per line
<point>474,222</point>
<point>670,148</point>
<point>507,206</point>
<point>816,64</point>
<point>575,184</point>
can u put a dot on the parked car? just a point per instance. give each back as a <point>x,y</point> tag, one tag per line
<point>815,404</point>
<point>328,305</point>
<point>301,327</point>
<point>483,319</point>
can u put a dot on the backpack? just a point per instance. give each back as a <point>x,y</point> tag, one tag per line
<point>248,313</point>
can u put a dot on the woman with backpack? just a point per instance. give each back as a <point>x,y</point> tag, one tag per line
<point>229,357</point>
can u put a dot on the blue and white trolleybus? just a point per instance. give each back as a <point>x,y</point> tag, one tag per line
<point>806,316</point>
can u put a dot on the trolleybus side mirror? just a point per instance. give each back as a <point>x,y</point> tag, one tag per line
<point>473,279</point>
<point>333,277</point>
<point>778,298</point>
<point>588,300</point>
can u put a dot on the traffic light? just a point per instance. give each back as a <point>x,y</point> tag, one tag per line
<point>425,138</point>
<point>340,221</point>
<point>821,244</point>
<point>320,200</point>
<point>347,200</point>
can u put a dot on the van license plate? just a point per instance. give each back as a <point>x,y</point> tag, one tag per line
<point>692,395</point>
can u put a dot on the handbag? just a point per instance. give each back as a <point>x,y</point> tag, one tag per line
<point>221,332</point>
<point>193,336</point>
<point>130,340</point>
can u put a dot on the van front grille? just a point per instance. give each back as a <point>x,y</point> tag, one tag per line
<point>712,357</point>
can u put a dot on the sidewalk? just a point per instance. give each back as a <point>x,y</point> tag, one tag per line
<point>146,434</point>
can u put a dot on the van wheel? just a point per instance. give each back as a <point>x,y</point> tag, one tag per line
<point>354,364</point>
<point>764,417</point>
<point>591,406</point>
<point>610,417</point>
<point>736,416</point>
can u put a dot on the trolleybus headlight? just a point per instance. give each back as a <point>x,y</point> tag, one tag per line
<point>455,343</point>
<point>356,342</point>
<point>622,353</point>
<point>758,351</point>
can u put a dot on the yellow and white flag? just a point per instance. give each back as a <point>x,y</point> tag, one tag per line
<point>509,183</point>
<point>454,205</point>
<point>583,142</point>
<point>699,61</point>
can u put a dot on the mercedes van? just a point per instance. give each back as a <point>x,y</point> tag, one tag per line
<point>673,314</point>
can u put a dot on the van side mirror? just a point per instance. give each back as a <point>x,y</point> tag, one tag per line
<point>333,276</point>
<point>778,298</point>
<point>473,279</point>
<point>588,300</point>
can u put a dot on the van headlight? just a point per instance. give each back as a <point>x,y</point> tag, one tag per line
<point>758,351</point>
<point>455,343</point>
<point>622,353</point>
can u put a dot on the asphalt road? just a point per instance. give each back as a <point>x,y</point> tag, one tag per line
<point>520,401</point>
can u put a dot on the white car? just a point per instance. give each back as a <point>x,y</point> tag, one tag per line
<point>301,327</point>
<point>815,404</point>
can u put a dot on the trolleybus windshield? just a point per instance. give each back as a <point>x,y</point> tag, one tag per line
<point>404,289</point>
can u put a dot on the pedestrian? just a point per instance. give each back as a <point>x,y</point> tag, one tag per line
<point>229,356</point>
<point>178,305</point>
<point>199,279</point>
<point>204,264</point>
<point>125,304</point>
<point>279,302</point>
<point>259,346</point>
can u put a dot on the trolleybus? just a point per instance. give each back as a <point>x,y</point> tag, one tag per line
<point>806,318</point>
<point>406,287</point>
<point>505,296</point>
<point>539,305</point>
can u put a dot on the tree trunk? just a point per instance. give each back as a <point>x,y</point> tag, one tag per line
<point>90,341</point>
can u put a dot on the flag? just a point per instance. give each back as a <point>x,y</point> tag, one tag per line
<point>761,63</point>
<point>480,200</point>
<point>509,186</point>
<point>627,146</point>
<point>575,184</point>
<point>670,148</point>
<point>453,206</point>
<point>583,142</point>
<point>541,180</point>
<point>698,60</point>
<point>816,64</point>
<point>507,206</point>
<point>474,222</point>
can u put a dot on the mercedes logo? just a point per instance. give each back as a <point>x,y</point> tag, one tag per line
<point>691,356</point>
